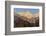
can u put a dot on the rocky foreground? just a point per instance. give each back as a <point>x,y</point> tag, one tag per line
<point>26,20</point>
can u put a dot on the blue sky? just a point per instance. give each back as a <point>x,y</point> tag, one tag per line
<point>26,9</point>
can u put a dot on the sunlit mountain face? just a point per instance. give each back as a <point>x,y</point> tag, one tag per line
<point>26,17</point>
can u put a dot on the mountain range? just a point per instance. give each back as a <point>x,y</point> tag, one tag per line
<point>27,17</point>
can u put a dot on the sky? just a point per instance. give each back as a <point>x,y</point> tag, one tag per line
<point>26,9</point>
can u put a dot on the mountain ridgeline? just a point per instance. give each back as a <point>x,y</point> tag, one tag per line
<point>26,19</point>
